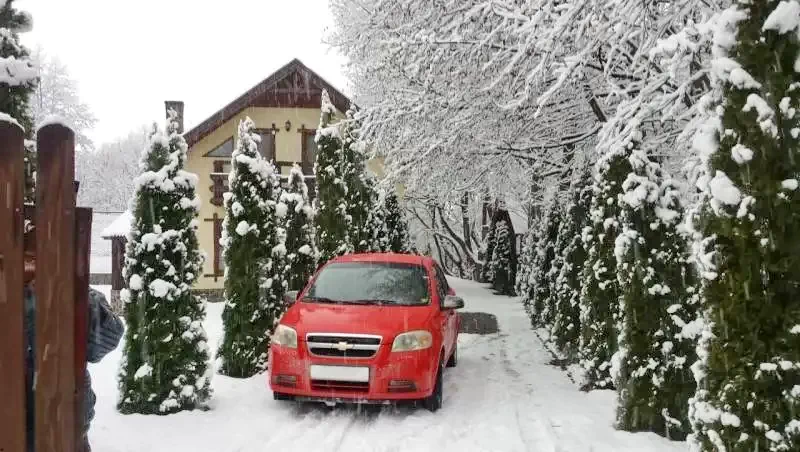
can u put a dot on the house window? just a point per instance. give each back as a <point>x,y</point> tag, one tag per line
<point>219,179</point>
<point>308,157</point>
<point>218,261</point>
<point>223,150</point>
<point>267,145</point>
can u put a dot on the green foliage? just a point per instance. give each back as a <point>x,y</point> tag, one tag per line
<point>565,332</point>
<point>19,83</point>
<point>397,237</point>
<point>300,248</point>
<point>333,220</point>
<point>525,266</point>
<point>651,367</point>
<point>748,396</point>
<point>253,276</point>
<point>541,297</point>
<point>502,265</point>
<point>165,362</point>
<point>599,289</point>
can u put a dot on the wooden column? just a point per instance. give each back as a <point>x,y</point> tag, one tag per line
<point>12,359</point>
<point>55,289</point>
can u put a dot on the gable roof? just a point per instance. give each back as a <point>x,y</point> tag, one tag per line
<point>293,85</point>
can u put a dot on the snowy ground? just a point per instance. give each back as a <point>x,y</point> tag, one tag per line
<point>502,397</point>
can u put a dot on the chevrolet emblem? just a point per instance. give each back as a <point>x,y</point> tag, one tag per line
<point>342,346</point>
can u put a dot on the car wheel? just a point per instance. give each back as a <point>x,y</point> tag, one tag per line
<point>281,396</point>
<point>433,402</point>
<point>453,361</point>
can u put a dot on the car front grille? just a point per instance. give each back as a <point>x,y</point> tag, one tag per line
<point>343,345</point>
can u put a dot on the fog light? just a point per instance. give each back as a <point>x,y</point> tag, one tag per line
<point>284,380</point>
<point>401,386</point>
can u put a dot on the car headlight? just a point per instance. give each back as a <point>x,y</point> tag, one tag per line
<point>412,340</point>
<point>285,336</point>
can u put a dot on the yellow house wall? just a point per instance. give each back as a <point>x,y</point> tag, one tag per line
<point>288,147</point>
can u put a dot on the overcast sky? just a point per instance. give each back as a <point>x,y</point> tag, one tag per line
<point>130,56</point>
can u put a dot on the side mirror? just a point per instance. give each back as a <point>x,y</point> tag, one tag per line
<point>453,302</point>
<point>290,297</point>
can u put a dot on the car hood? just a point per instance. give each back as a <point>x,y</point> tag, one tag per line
<point>386,321</point>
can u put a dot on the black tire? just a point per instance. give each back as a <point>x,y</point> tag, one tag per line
<point>453,361</point>
<point>281,396</point>
<point>433,402</point>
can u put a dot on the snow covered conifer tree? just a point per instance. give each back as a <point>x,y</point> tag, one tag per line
<point>565,332</point>
<point>502,265</point>
<point>545,254</point>
<point>748,391</point>
<point>18,81</point>
<point>599,288</point>
<point>397,237</point>
<point>524,268</point>
<point>363,209</point>
<point>333,221</point>
<point>651,366</point>
<point>165,365</point>
<point>250,231</point>
<point>300,248</point>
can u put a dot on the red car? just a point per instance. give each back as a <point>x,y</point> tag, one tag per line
<point>368,328</point>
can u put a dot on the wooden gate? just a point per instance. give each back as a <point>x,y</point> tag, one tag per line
<point>61,287</point>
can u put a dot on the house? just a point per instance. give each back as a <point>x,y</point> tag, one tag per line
<point>286,110</point>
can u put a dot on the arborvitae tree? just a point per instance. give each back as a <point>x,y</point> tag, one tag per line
<point>748,393</point>
<point>300,248</point>
<point>502,263</point>
<point>363,209</point>
<point>599,287</point>
<point>488,251</point>
<point>545,254</point>
<point>651,367</point>
<point>249,230</point>
<point>17,82</point>
<point>565,332</point>
<point>557,250</point>
<point>165,362</point>
<point>333,220</point>
<point>524,268</point>
<point>396,225</point>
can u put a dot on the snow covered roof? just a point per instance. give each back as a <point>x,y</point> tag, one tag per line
<point>119,227</point>
<point>519,220</point>
<point>292,85</point>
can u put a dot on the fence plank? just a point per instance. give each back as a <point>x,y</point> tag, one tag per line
<point>55,289</point>
<point>12,360</point>
<point>83,237</point>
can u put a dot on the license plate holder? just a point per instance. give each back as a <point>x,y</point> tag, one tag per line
<point>359,374</point>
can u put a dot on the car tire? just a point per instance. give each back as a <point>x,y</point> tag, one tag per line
<point>281,396</point>
<point>433,402</point>
<point>453,361</point>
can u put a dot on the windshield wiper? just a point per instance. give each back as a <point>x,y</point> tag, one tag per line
<point>323,300</point>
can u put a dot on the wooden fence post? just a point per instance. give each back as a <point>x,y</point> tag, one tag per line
<point>55,289</point>
<point>83,239</point>
<point>12,359</point>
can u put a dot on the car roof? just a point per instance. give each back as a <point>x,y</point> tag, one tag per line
<point>399,258</point>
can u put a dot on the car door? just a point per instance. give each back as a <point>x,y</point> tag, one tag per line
<point>449,317</point>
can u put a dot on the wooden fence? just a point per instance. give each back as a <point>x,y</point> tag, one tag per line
<point>61,288</point>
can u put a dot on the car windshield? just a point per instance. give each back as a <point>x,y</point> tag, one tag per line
<point>371,283</point>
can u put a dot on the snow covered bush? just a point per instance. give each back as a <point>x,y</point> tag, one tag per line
<point>565,332</point>
<point>333,220</point>
<point>165,365</point>
<point>502,265</point>
<point>253,291</point>
<point>651,367</point>
<point>301,252</point>
<point>748,374</point>
<point>487,251</point>
<point>599,289</point>
<point>18,79</point>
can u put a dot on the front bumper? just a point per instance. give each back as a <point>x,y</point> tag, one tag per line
<point>392,376</point>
